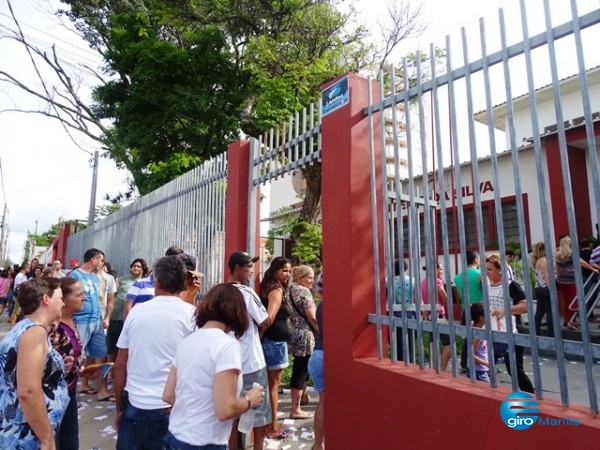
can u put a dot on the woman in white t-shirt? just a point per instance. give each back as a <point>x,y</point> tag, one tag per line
<point>205,381</point>
<point>517,305</point>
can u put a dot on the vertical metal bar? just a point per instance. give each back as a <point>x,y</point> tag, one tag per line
<point>374,221</point>
<point>412,208</point>
<point>304,132</point>
<point>428,238</point>
<point>476,205</point>
<point>458,187</point>
<point>442,207</point>
<point>252,203</point>
<point>494,164</point>
<point>296,134</point>
<point>388,232</point>
<point>399,222</point>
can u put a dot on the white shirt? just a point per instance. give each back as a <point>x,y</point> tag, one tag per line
<point>253,358</point>
<point>108,285</point>
<point>199,358</point>
<point>151,333</point>
<point>20,278</point>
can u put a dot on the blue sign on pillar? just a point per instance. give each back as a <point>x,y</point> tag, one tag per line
<point>335,96</point>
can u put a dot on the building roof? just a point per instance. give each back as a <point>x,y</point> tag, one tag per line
<point>566,85</point>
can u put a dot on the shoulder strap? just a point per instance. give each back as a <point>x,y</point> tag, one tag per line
<point>297,308</point>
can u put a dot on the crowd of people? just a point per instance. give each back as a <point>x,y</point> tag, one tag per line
<point>182,369</point>
<point>470,286</point>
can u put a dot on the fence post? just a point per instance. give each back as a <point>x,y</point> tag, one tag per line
<point>236,205</point>
<point>348,254</point>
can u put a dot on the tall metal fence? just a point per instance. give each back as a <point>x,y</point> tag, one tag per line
<point>484,154</point>
<point>283,151</point>
<point>188,211</point>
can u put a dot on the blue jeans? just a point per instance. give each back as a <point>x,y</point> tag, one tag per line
<point>142,429</point>
<point>68,434</point>
<point>170,442</point>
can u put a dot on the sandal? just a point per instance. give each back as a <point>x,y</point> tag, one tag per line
<point>285,434</point>
<point>89,391</point>
<point>570,326</point>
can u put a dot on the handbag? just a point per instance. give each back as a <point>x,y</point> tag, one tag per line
<point>500,348</point>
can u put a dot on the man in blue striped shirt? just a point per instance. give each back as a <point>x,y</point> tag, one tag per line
<point>142,290</point>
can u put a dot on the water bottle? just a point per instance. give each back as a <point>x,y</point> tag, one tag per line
<point>246,423</point>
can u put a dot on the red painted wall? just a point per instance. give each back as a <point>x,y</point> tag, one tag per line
<point>236,206</point>
<point>59,244</point>
<point>579,183</point>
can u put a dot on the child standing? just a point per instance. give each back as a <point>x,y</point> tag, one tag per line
<point>480,347</point>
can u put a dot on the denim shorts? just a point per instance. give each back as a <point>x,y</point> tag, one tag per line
<point>480,375</point>
<point>315,369</point>
<point>276,354</point>
<point>93,339</point>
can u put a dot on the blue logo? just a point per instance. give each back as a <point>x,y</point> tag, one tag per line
<point>519,411</point>
<point>335,96</point>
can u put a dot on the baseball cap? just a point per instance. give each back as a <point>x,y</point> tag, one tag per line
<point>190,263</point>
<point>241,259</point>
<point>73,262</point>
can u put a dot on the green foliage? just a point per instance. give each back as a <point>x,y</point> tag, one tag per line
<point>308,237</point>
<point>177,105</point>
<point>105,210</point>
<point>45,239</point>
<point>186,77</point>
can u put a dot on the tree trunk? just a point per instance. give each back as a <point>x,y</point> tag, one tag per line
<point>312,199</point>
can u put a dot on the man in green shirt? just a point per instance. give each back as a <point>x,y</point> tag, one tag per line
<point>473,278</point>
<point>474,292</point>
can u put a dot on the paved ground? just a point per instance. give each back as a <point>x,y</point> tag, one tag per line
<point>96,422</point>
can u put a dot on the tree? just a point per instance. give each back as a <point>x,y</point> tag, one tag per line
<point>45,239</point>
<point>106,210</point>
<point>181,79</point>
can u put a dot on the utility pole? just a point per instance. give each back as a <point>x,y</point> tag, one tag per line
<point>92,211</point>
<point>3,236</point>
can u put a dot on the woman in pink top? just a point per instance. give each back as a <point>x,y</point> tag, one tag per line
<point>442,301</point>
<point>4,288</point>
<point>442,298</point>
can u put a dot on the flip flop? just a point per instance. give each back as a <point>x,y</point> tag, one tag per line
<point>110,398</point>
<point>88,391</point>
<point>306,415</point>
<point>285,434</point>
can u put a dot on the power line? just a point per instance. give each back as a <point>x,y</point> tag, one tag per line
<point>54,37</point>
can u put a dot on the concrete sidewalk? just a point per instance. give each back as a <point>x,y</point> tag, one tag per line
<point>96,425</point>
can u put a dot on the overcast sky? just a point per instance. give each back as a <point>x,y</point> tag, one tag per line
<point>46,176</point>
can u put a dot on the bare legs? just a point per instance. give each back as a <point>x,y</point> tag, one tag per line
<point>320,423</point>
<point>296,412</point>
<point>274,381</point>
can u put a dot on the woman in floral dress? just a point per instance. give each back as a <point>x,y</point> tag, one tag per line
<point>33,390</point>
<point>304,326</point>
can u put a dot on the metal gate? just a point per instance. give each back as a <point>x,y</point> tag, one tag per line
<point>485,154</point>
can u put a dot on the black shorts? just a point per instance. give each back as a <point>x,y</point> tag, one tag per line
<point>444,338</point>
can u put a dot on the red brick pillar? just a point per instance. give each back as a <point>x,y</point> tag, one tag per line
<point>236,205</point>
<point>348,254</point>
